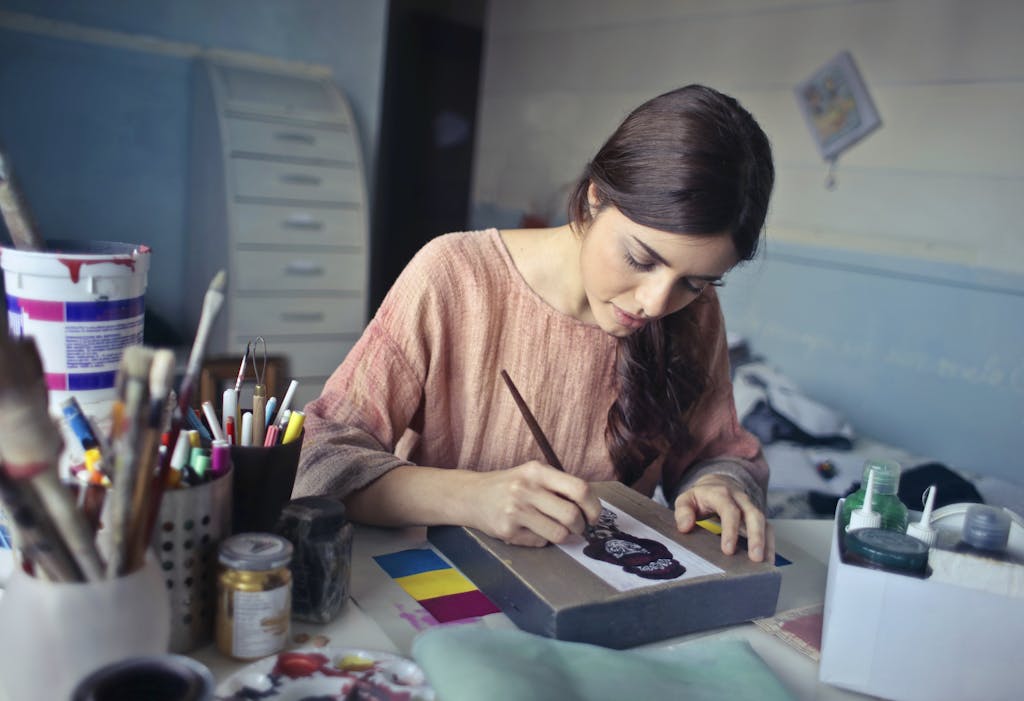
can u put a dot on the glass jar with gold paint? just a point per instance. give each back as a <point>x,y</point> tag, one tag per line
<point>254,587</point>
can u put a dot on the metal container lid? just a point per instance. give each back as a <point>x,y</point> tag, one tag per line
<point>986,527</point>
<point>891,550</point>
<point>255,551</point>
<point>311,517</point>
<point>887,475</point>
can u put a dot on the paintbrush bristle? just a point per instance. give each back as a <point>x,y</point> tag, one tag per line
<point>219,282</point>
<point>136,362</point>
<point>27,433</point>
<point>161,373</point>
<point>213,300</point>
<point>21,368</point>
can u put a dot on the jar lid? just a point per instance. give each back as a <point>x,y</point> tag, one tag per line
<point>891,550</point>
<point>986,527</point>
<point>887,475</point>
<point>312,516</point>
<point>255,551</point>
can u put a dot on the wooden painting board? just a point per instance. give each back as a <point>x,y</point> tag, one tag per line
<point>545,591</point>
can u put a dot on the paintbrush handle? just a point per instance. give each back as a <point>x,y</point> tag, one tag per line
<point>35,535</point>
<point>15,213</point>
<point>538,434</point>
<point>542,441</point>
<point>70,523</point>
<point>259,414</point>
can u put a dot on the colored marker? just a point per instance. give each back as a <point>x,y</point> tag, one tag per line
<point>271,408</point>
<point>78,423</point>
<point>211,419</point>
<point>271,438</point>
<point>229,407</point>
<point>294,429</point>
<point>286,404</point>
<point>246,438</point>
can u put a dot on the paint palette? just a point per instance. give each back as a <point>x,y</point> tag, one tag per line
<point>328,673</point>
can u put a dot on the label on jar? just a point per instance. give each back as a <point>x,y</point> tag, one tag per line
<point>260,622</point>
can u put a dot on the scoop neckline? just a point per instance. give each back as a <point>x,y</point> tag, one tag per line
<point>525,289</point>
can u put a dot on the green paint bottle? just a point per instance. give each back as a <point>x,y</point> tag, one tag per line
<point>885,476</point>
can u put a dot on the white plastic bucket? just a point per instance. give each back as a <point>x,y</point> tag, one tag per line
<point>82,303</point>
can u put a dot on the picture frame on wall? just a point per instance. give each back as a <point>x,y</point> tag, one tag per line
<point>837,106</point>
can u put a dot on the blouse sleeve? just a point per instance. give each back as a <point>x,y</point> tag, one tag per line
<point>720,445</point>
<point>371,399</point>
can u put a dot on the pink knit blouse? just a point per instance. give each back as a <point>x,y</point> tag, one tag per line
<point>427,371</point>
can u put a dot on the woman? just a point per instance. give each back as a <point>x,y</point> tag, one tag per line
<point>609,326</point>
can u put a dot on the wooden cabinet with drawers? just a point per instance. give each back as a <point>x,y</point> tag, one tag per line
<point>277,197</point>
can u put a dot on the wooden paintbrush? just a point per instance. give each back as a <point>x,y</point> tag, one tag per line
<point>539,437</point>
<point>212,303</point>
<point>15,213</point>
<point>30,447</point>
<point>149,479</point>
<point>34,534</point>
<point>128,444</point>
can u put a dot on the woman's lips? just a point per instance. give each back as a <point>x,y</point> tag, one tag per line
<point>628,320</point>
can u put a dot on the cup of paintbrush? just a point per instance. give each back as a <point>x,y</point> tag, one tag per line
<point>69,618</point>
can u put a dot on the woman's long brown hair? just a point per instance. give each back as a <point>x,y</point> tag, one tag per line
<point>690,161</point>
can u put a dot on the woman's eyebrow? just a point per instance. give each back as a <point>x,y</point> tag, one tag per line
<point>650,251</point>
<point>657,258</point>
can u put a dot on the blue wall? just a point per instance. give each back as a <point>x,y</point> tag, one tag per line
<point>98,140</point>
<point>98,136</point>
<point>924,355</point>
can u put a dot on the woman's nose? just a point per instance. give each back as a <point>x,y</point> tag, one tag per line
<point>656,298</point>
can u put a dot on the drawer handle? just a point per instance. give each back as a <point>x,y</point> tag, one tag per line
<point>295,137</point>
<point>302,316</point>
<point>303,221</point>
<point>304,267</point>
<point>301,179</point>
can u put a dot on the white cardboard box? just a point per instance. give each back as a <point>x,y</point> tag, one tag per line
<point>906,638</point>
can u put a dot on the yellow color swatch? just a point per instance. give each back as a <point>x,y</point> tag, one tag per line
<point>427,585</point>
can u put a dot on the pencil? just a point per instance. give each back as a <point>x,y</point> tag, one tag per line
<point>541,440</point>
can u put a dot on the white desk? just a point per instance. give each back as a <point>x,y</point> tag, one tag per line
<point>376,619</point>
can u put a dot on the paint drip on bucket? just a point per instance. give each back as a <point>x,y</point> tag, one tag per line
<point>82,303</point>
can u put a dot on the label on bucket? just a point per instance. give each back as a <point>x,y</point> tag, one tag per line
<point>80,342</point>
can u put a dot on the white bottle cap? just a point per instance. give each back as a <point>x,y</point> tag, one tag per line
<point>922,530</point>
<point>866,517</point>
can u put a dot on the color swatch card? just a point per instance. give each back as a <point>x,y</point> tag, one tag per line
<point>437,586</point>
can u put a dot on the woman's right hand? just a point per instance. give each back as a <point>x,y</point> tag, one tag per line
<point>531,504</point>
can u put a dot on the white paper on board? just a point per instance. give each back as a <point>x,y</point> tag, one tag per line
<point>616,576</point>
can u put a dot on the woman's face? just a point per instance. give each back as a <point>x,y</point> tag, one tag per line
<point>633,274</point>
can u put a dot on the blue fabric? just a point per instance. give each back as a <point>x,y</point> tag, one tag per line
<point>468,663</point>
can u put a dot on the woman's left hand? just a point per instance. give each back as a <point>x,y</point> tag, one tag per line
<point>723,495</point>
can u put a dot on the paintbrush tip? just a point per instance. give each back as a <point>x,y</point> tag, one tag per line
<point>219,281</point>
<point>161,372</point>
<point>136,362</point>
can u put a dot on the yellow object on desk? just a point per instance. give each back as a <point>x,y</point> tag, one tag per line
<point>295,421</point>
